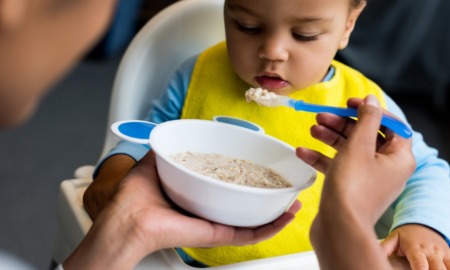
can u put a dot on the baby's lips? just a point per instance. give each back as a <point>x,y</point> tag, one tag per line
<point>271,83</point>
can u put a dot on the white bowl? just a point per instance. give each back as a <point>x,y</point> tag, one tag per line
<point>219,201</point>
<point>238,122</point>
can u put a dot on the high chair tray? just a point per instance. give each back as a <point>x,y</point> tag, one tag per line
<point>169,259</point>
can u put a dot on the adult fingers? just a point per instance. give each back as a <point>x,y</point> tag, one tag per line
<point>397,149</point>
<point>334,130</point>
<point>341,125</point>
<point>246,236</point>
<point>354,102</point>
<point>295,207</point>
<point>313,158</point>
<point>268,230</point>
<point>365,133</point>
<point>328,136</point>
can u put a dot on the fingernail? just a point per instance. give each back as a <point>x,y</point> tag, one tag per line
<point>372,100</point>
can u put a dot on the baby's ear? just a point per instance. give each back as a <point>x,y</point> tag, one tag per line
<point>12,12</point>
<point>351,21</point>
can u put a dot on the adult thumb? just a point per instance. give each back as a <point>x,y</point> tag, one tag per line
<point>368,124</point>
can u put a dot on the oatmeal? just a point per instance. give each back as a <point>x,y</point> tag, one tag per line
<point>233,170</point>
<point>259,94</point>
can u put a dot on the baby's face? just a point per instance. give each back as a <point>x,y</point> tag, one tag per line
<point>286,45</point>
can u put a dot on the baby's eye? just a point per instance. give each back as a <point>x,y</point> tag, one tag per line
<point>301,37</point>
<point>248,29</point>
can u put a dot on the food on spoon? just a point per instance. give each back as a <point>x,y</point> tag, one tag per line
<point>232,170</point>
<point>259,95</point>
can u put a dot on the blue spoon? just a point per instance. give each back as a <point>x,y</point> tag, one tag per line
<point>271,100</point>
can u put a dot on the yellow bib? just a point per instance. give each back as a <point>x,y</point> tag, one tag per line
<point>216,90</point>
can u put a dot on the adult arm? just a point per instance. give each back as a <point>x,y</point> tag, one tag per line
<point>361,182</point>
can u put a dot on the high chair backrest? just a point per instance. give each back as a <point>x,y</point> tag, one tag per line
<point>183,29</point>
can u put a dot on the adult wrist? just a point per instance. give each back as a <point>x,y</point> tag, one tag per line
<point>113,242</point>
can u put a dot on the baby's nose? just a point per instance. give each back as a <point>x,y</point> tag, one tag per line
<point>273,49</point>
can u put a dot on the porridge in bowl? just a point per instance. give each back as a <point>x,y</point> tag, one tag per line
<point>232,170</point>
<point>219,201</point>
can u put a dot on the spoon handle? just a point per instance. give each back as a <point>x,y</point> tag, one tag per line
<point>388,121</point>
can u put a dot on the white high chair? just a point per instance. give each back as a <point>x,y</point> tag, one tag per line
<point>179,31</point>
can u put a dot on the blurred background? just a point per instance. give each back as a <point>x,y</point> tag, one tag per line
<point>406,51</point>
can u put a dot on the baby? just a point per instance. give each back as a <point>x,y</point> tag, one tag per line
<point>287,47</point>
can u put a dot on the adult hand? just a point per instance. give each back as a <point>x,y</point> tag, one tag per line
<point>366,175</point>
<point>368,171</point>
<point>140,220</point>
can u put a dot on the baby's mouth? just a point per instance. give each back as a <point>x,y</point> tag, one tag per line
<point>271,82</point>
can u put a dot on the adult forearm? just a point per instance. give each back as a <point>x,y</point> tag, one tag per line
<point>342,241</point>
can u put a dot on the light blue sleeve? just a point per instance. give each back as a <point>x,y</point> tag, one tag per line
<point>167,107</point>
<point>426,198</point>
